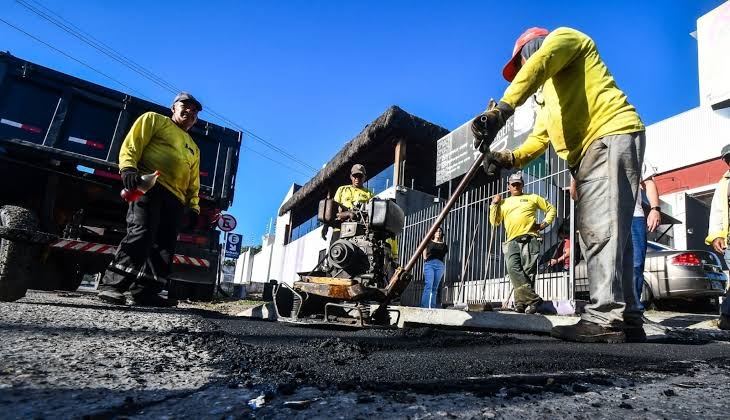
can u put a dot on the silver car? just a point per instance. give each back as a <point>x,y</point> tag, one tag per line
<point>694,275</point>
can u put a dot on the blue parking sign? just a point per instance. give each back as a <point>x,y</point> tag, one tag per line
<point>233,245</point>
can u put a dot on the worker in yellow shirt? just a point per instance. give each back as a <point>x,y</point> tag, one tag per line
<point>591,124</point>
<point>521,250</point>
<point>143,260</point>
<point>348,195</point>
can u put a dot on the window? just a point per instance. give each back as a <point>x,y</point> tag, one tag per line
<point>382,181</point>
<point>305,227</point>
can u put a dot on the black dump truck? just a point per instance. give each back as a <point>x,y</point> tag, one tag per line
<point>61,215</point>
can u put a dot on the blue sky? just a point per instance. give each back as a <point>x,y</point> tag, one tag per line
<point>307,76</point>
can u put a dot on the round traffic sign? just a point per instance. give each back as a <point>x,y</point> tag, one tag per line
<point>226,223</point>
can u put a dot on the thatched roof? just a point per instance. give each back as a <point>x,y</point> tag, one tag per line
<point>374,148</point>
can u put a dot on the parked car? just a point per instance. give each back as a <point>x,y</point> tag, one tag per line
<point>671,274</point>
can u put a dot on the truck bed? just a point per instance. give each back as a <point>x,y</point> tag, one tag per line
<point>47,114</point>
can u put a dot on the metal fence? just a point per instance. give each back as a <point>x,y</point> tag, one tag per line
<point>474,265</point>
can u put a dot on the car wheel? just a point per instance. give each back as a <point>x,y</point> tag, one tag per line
<point>709,305</point>
<point>16,258</point>
<point>647,297</point>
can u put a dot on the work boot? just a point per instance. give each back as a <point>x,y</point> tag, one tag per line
<point>588,332</point>
<point>534,307</point>
<point>112,296</point>
<point>520,308</point>
<point>153,299</point>
<point>724,323</point>
<point>635,334</point>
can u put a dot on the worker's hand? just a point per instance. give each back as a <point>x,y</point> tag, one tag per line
<point>719,245</point>
<point>653,220</point>
<point>344,215</point>
<point>491,169</point>
<point>487,124</point>
<point>130,178</point>
<point>504,158</point>
<point>497,199</point>
<point>552,262</point>
<point>538,226</point>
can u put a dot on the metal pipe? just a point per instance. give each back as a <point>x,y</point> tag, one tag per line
<point>400,279</point>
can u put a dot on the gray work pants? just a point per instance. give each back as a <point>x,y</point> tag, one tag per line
<point>520,259</point>
<point>607,180</point>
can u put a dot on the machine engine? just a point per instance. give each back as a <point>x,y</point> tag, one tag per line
<point>363,250</point>
<point>354,270</point>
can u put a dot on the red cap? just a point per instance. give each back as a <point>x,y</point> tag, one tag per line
<point>510,69</point>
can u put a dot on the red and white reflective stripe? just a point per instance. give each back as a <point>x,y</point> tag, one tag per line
<point>92,144</point>
<point>84,246</point>
<point>184,259</point>
<point>110,249</point>
<point>24,127</point>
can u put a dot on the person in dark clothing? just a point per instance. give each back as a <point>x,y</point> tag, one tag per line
<point>143,260</point>
<point>561,260</point>
<point>433,268</point>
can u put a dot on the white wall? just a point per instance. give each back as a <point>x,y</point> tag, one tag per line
<point>301,255</point>
<point>691,137</point>
<point>244,264</point>
<point>260,266</point>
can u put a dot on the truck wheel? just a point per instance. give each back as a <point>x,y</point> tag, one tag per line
<point>73,277</point>
<point>16,258</point>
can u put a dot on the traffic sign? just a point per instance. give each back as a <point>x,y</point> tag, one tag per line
<point>233,245</point>
<point>226,223</point>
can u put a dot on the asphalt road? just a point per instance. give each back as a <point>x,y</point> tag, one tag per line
<point>66,355</point>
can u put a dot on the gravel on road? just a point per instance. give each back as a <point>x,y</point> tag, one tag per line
<point>67,355</point>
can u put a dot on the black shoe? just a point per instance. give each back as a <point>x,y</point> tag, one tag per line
<point>153,300</point>
<point>588,332</point>
<point>533,308</point>
<point>520,309</point>
<point>724,323</point>
<point>112,296</point>
<point>635,334</point>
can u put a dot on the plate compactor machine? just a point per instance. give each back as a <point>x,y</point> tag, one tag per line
<point>354,272</point>
<point>351,278</point>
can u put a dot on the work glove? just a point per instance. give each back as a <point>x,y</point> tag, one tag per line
<point>494,162</point>
<point>491,169</point>
<point>130,178</point>
<point>486,125</point>
<point>504,159</point>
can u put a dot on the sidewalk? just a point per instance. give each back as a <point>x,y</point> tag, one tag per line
<point>661,326</point>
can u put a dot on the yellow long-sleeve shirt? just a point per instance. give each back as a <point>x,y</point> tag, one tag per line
<point>155,142</point>
<point>348,195</point>
<point>581,102</point>
<point>518,212</point>
<point>718,223</point>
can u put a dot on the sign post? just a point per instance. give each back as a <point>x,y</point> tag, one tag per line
<point>227,223</point>
<point>233,245</point>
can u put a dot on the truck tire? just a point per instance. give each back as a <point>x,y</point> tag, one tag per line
<point>73,277</point>
<point>58,272</point>
<point>16,258</point>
